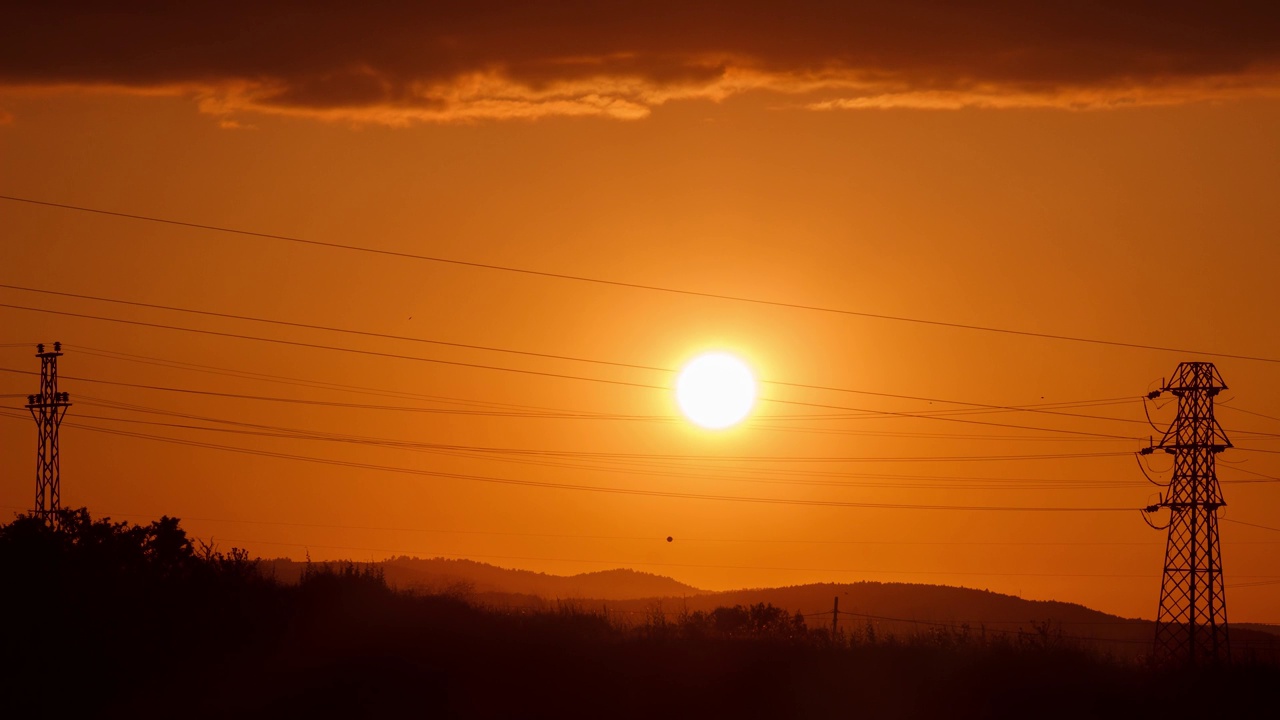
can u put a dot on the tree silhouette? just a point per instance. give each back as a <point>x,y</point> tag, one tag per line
<point>120,620</point>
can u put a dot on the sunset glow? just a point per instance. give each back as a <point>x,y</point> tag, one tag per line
<point>716,390</point>
<point>827,293</point>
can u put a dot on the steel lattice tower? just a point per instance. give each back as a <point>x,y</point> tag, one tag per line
<point>1191,626</point>
<point>48,408</point>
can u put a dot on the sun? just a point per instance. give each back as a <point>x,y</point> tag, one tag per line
<point>716,390</point>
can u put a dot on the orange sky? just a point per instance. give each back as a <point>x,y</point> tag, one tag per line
<point>1145,215</point>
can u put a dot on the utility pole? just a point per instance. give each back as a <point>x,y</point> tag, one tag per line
<point>1191,625</point>
<point>48,409</point>
<point>835,617</point>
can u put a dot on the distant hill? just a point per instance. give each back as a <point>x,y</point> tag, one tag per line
<point>1259,627</point>
<point>905,609</point>
<point>885,602</point>
<point>489,581</point>
<point>901,609</point>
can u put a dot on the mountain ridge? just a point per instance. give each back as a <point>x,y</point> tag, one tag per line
<point>865,607</point>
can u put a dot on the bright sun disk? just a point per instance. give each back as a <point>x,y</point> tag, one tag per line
<point>716,390</point>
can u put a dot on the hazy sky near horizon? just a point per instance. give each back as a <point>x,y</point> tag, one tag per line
<point>1095,171</point>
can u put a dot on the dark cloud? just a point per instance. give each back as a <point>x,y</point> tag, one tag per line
<point>395,61</point>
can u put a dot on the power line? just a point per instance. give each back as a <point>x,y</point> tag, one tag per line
<point>645,538</point>
<point>1242,522</point>
<point>631,285</point>
<point>1257,450</point>
<point>347,331</point>
<point>300,382</point>
<point>665,465</point>
<point>656,456</point>
<point>1260,583</point>
<point>1257,434</point>
<point>976,409</point>
<point>556,414</point>
<point>543,414</point>
<point>1248,412</point>
<point>572,460</point>
<point>526,353</point>
<point>467,450</point>
<point>480,366</point>
<point>318,346</point>
<point>567,414</point>
<point>584,488</point>
<point>1262,476</point>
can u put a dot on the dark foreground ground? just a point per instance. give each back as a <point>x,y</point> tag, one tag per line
<point>110,620</point>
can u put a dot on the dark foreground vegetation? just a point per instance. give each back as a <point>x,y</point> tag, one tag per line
<point>118,620</point>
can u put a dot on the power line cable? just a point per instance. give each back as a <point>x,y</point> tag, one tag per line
<point>300,382</point>
<point>573,460</point>
<point>977,410</point>
<point>543,414</point>
<point>539,373</point>
<point>631,285</point>
<point>1255,525</point>
<point>318,346</point>
<point>487,348</point>
<point>566,414</point>
<point>677,457</point>
<point>376,353</point>
<point>346,331</point>
<point>646,538</point>
<point>581,488</point>
<point>556,414</point>
<point>1248,412</point>
<point>667,463</point>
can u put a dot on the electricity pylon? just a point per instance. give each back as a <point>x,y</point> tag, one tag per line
<point>48,409</point>
<point>1191,626</point>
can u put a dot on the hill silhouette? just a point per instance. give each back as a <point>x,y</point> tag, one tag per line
<point>875,608</point>
<point>906,609</point>
<point>502,585</point>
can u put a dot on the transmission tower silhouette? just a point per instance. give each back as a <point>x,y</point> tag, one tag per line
<point>1191,625</point>
<point>48,408</point>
